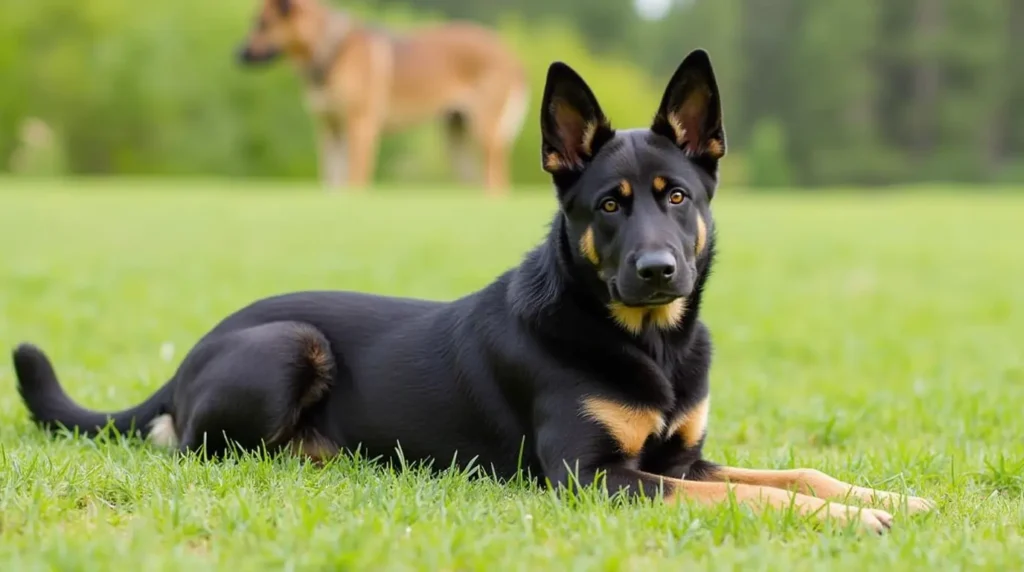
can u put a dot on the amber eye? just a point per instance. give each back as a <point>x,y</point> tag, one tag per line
<point>609,205</point>
<point>676,197</point>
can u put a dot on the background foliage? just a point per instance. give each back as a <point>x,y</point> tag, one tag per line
<point>817,92</point>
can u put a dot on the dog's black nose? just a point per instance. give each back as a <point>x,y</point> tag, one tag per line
<point>656,266</point>
<point>242,54</point>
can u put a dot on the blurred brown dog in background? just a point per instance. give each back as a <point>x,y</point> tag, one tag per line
<point>363,81</point>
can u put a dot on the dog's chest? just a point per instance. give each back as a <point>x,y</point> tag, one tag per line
<point>631,426</point>
<point>321,101</point>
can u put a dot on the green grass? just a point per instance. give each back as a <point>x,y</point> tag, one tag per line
<point>877,338</point>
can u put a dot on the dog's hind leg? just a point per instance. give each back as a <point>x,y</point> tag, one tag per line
<point>460,151</point>
<point>255,389</point>
<point>496,120</point>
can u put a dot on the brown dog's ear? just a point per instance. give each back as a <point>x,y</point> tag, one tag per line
<point>691,112</point>
<point>572,126</point>
<point>284,7</point>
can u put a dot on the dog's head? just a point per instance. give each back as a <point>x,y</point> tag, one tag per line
<point>280,26</point>
<point>636,202</point>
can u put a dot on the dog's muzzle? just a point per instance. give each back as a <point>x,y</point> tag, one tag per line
<point>652,278</point>
<point>247,55</point>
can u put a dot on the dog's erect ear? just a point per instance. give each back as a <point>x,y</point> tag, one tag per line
<point>691,111</point>
<point>572,125</point>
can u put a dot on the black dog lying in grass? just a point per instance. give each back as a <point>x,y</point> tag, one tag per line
<point>587,359</point>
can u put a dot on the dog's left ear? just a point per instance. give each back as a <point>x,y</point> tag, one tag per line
<point>573,127</point>
<point>690,113</point>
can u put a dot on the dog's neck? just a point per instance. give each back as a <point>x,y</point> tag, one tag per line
<point>337,27</point>
<point>554,285</point>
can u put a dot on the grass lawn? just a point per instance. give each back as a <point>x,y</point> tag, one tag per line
<point>877,338</point>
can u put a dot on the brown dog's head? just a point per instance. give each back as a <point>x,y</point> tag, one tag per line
<point>280,26</point>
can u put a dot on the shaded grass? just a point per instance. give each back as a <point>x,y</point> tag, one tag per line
<point>873,337</point>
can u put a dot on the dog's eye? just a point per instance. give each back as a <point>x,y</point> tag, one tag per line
<point>676,197</point>
<point>609,205</point>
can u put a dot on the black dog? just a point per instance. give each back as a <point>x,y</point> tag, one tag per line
<point>586,359</point>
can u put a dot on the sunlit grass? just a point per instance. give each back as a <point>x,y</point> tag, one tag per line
<point>877,338</point>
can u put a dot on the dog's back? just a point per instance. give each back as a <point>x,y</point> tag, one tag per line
<point>457,67</point>
<point>368,79</point>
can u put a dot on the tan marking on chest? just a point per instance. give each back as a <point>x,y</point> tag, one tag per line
<point>631,319</point>
<point>630,426</point>
<point>664,317</point>
<point>691,424</point>
<point>668,316</point>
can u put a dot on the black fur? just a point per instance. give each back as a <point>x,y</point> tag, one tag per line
<point>492,377</point>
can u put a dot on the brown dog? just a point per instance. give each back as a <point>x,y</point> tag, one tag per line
<point>362,82</point>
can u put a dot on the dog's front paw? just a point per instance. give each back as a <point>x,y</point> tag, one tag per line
<point>868,519</point>
<point>898,502</point>
<point>874,520</point>
<point>918,504</point>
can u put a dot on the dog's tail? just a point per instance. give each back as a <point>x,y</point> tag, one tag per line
<point>51,408</point>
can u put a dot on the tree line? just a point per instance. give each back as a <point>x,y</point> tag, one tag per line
<point>832,91</point>
<point>816,92</point>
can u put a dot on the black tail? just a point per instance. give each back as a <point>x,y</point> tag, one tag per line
<point>51,408</point>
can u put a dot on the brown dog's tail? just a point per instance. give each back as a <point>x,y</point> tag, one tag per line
<point>51,408</point>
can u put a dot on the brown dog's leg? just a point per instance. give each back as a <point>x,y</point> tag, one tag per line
<point>364,134</point>
<point>816,483</point>
<point>496,158</point>
<point>456,130</point>
<point>332,155</point>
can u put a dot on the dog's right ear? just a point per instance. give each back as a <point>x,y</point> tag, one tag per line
<point>572,126</point>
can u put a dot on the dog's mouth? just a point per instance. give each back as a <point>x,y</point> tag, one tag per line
<point>649,299</point>
<point>247,55</point>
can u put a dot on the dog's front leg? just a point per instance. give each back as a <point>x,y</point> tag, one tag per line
<point>635,483</point>
<point>602,446</point>
<point>816,483</point>
<point>364,140</point>
<point>333,154</point>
